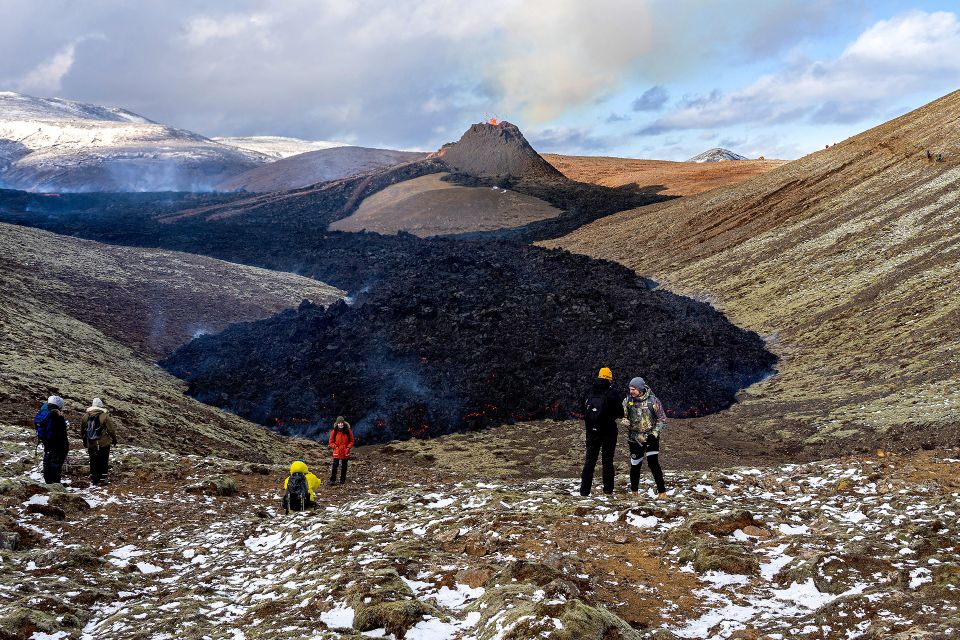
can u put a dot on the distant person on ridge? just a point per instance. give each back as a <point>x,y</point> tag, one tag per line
<point>98,432</point>
<point>52,433</point>
<point>300,488</point>
<point>929,156</point>
<point>341,442</point>
<point>644,415</point>
<point>601,408</point>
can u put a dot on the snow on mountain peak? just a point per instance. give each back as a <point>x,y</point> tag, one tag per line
<point>717,155</point>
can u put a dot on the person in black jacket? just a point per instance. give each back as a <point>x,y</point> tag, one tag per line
<point>602,406</point>
<point>57,444</point>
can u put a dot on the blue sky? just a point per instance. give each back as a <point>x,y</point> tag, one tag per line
<point>638,78</point>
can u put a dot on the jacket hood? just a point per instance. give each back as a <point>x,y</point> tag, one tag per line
<point>95,410</point>
<point>298,466</point>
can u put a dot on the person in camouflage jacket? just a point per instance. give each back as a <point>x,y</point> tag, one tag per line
<point>643,414</point>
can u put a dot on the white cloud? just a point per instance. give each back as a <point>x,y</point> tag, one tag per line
<point>201,30</point>
<point>558,54</point>
<point>47,77</point>
<point>911,52</point>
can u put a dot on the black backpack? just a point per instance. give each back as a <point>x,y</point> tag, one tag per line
<point>297,497</point>
<point>593,409</point>
<point>94,430</point>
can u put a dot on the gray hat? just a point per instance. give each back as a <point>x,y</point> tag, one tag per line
<point>638,383</point>
<point>98,403</point>
<point>56,401</point>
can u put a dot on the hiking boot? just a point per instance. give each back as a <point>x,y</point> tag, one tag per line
<point>635,493</point>
<point>662,496</point>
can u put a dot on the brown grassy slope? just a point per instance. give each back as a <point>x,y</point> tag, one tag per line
<point>76,318</point>
<point>428,206</point>
<point>676,178</point>
<point>847,260</point>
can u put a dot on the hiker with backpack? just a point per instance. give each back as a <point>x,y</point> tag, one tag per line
<point>300,488</point>
<point>601,408</point>
<point>341,442</point>
<point>98,432</point>
<point>644,415</point>
<point>52,434</point>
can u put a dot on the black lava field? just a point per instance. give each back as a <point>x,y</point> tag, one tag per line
<point>478,336</point>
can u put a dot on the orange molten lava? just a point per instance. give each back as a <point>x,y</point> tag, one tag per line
<point>492,121</point>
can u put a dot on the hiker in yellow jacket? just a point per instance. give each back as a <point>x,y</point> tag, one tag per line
<point>299,488</point>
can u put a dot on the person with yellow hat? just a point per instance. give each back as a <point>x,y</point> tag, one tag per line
<point>601,408</point>
<point>300,488</point>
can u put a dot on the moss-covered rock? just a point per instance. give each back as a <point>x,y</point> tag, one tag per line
<point>218,485</point>
<point>21,622</point>
<point>716,555</point>
<point>381,599</point>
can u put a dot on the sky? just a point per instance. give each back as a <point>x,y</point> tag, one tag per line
<point>634,78</point>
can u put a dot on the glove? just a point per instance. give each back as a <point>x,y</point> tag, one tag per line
<point>642,438</point>
<point>623,422</point>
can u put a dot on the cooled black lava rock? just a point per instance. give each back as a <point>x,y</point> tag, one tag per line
<point>468,335</point>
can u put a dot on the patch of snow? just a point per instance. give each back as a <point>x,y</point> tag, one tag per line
<point>339,616</point>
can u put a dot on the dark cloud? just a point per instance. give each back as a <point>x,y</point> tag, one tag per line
<point>652,99</point>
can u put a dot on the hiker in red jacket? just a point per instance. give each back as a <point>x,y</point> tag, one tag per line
<point>341,442</point>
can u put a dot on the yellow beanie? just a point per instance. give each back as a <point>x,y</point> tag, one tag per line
<point>606,374</point>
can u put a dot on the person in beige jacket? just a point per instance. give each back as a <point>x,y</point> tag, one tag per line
<point>98,433</point>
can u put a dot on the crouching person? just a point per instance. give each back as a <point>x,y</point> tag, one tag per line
<point>98,433</point>
<point>299,488</point>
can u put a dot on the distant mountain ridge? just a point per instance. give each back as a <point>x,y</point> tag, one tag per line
<point>277,146</point>
<point>717,154</point>
<point>309,168</point>
<point>51,144</point>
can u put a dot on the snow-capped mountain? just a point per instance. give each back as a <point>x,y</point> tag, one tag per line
<point>717,155</point>
<point>50,144</point>
<point>278,146</point>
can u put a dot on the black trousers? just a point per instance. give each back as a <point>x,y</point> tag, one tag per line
<point>649,450</point>
<point>597,442</point>
<point>343,471</point>
<point>99,463</point>
<point>53,460</point>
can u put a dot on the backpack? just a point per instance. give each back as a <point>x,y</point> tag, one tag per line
<point>94,430</point>
<point>298,493</point>
<point>593,409</point>
<point>43,422</point>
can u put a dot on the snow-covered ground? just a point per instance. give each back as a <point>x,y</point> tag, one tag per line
<point>838,550</point>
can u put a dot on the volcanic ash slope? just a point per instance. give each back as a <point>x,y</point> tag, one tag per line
<point>86,320</point>
<point>849,261</point>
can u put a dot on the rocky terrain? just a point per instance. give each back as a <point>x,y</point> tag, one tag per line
<point>187,547</point>
<point>83,320</point>
<point>847,262</point>
<point>322,165</point>
<point>49,144</point>
<point>717,155</point>
<point>667,178</point>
